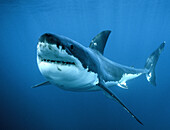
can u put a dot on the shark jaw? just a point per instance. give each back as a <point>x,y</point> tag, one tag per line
<point>63,69</point>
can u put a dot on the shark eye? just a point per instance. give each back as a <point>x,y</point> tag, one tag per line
<point>71,46</point>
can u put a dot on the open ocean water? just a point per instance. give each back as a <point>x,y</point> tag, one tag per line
<point>138,28</point>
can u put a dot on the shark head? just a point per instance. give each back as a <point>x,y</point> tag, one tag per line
<point>65,62</point>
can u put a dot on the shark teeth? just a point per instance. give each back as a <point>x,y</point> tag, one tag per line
<point>58,62</point>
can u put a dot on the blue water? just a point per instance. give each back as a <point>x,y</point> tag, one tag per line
<point>138,28</point>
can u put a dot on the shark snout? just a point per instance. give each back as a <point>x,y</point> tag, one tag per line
<point>50,39</point>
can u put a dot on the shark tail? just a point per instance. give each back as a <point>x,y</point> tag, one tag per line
<point>151,64</point>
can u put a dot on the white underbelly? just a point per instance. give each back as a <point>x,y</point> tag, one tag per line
<point>70,78</point>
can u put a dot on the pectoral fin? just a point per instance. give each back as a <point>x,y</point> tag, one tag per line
<point>109,92</point>
<point>41,84</point>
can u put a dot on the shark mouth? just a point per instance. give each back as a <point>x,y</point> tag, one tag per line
<point>58,62</point>
<point>50,51</point>
<point>51,54</point>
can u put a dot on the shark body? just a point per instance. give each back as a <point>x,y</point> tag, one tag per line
<point>73,67</point>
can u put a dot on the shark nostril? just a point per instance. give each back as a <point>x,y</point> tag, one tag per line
<point>51,39</point>
<point>58,45</point>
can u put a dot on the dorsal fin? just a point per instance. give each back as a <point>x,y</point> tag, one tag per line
<point>99,41</point>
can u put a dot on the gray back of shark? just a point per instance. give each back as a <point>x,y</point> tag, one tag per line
<point>71,66</point>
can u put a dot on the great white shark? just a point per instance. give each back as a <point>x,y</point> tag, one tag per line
<point>73,67</point>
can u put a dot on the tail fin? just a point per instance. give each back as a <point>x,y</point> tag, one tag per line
<point>151,63</point>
